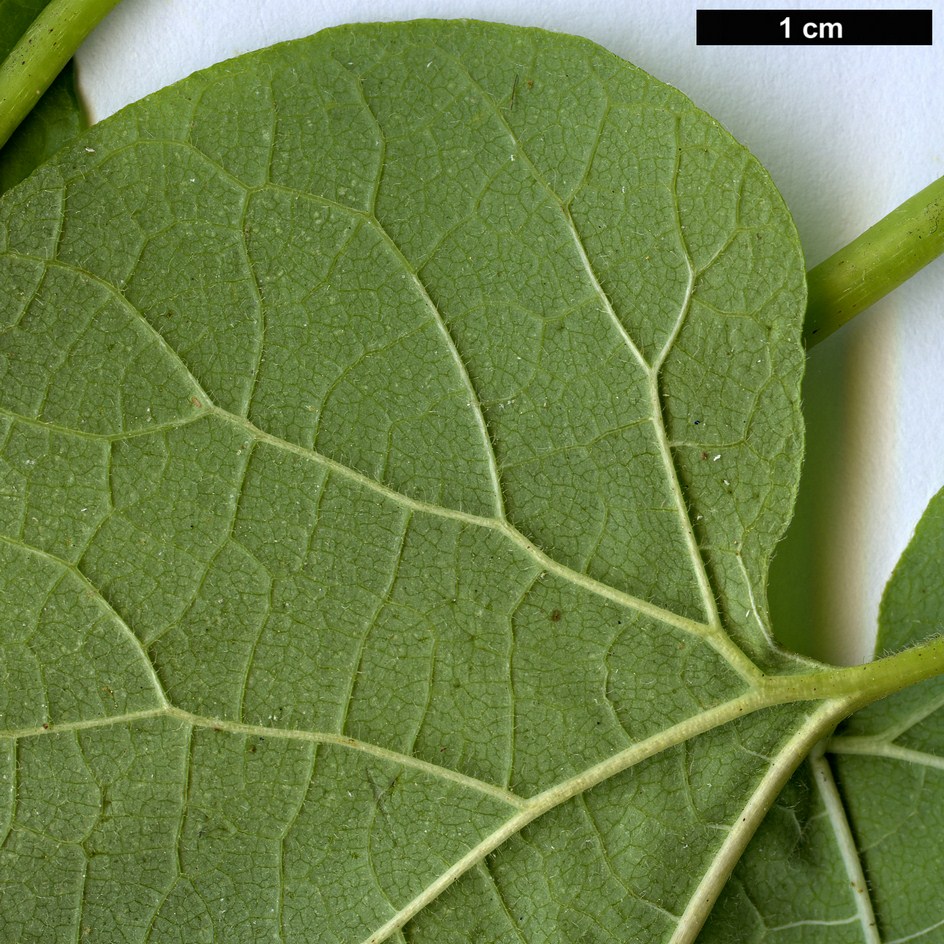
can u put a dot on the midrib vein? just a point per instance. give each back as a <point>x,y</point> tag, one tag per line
<point>845,841</point>
<point>658,417</point>
<point>783,765</point>
<point>544,802</point>
<point>712,633</point>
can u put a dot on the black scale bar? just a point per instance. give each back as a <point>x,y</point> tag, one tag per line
<point>813,27</point>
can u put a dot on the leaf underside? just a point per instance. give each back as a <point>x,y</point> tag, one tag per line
<point>867,815</point>
<point>396,428</point>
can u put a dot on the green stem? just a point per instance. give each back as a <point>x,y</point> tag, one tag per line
<point>875,263</point>
<point>40,55</point>
<point>866,683</point>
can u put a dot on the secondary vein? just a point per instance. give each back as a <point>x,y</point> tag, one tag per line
<point>475,403</point>
<point>877,747</point>
<point>651,371</point>
<point>97,595</point>
<point>502,527</point>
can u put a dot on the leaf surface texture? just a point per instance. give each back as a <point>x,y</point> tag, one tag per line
<point>850,853</point>
<point>396,428</point>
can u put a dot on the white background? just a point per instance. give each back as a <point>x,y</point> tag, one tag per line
<point>847,134</point>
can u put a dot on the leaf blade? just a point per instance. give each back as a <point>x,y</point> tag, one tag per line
<point>380,459</point>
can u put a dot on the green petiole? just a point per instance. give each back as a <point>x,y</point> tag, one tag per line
<point>875,263</point>
<point>41,54</point>
<point>867,682</point>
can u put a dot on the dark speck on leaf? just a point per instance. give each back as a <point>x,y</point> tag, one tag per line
<point>555,616</point>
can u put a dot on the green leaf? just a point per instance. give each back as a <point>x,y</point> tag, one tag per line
<point>851,852</point>
<point>396,429</point>
<point>58,117</point>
